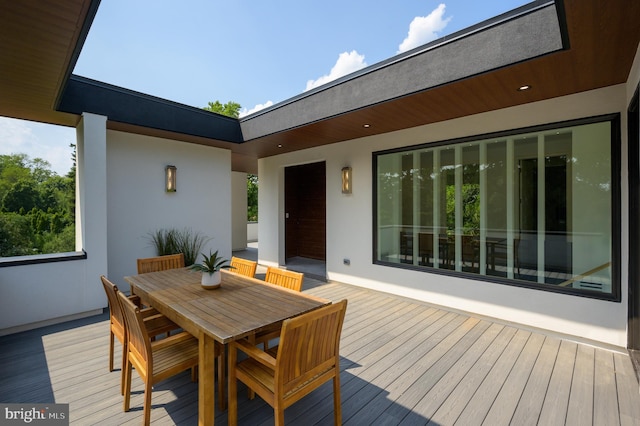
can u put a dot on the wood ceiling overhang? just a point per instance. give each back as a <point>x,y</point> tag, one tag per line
<point>40,42</point>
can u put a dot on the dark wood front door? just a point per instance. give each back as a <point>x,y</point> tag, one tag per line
<point>305,211</point>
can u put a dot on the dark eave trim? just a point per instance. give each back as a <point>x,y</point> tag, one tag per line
<point>130,107</point>
<point>82,37</point>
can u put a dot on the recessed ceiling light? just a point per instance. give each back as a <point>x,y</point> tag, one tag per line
<point>279,145</point>
<point>524,87</point>
<point>366,126</point>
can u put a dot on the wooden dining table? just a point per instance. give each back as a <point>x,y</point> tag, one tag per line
<point>241,307</point>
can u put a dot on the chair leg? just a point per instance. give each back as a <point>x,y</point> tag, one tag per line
<point>232,413</point>
<point>124,366</point>
<point>337,405</point>
<point>250,393</point>
<point>147,401</point>
<point>127,387</point>
<point>278,414</point>
<point>111,337</point>
<point>222,398</point>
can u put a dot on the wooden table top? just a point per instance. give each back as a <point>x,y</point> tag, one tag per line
<point>240,307</point>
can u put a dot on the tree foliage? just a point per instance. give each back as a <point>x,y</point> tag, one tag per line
<point>252,198</point>
<point>37,207</point>
<point>230,109</point>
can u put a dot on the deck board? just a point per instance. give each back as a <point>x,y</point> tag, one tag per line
<point>580,409</point>
<point>532,398</point>
<point>402,362</point>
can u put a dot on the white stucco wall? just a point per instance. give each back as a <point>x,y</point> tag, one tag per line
<point>121,199</point>
<point>139,205</point>
<point>349,223</point>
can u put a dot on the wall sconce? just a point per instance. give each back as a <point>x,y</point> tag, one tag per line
<point>170,178</point>
<point>346,180</point>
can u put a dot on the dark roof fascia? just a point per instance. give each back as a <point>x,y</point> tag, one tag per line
<point>82,37</point>
<point>466,32</point>
<point>130,107</point>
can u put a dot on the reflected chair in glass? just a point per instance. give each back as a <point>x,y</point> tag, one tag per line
<point>471,251</point>
<point>307,357</point>
<point>425,248</point>
<point>406,246</point>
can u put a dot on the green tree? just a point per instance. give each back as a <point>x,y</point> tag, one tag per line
<point>12,169</point>
<point>16,235</point>
<point>252,198</point>
<point>23,195</point>
<point>230,109</point>
<point>37,207</point>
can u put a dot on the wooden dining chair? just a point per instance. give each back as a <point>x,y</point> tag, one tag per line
<point>284,278</point>
<point>243,266</point>
<point>160,263</point>
<point>154,361</point>
<point>307,357</point>
<point>155,323</point>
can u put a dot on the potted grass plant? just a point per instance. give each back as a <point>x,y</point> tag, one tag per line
<point>210,268</point>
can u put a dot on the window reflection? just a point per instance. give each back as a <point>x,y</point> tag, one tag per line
<point>513,207</point>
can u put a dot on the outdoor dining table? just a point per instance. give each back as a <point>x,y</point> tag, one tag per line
<point>239,308</point>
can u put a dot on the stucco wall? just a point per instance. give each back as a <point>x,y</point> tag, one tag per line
<point>349,223</point>
<point>138,203</point>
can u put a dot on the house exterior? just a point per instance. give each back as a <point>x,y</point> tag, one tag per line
<point>469,190</point>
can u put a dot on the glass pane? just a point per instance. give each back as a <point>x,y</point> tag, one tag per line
<point>446,228</point>
<point>388,217</point>
<point>591,208</point>
<point>495,234</point>
<point>557,184</point>
<point>532,207</point>
<point>425,238</point>
<point>525,242</point>
<point>470,204</point>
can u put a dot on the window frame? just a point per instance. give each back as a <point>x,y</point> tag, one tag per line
<point>616,141</point>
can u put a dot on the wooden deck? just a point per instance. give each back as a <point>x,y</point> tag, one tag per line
<point>403,362</point>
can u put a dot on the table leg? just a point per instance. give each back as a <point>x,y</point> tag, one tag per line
<point>206,386</point>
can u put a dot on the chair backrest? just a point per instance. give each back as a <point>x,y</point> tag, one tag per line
<point>309,346</point>
<point>138,338</point>
<point>470,244</point>
<point>115,311</point>
<point>288,279</point>
<point>243,266</point>
<point>160,263</point>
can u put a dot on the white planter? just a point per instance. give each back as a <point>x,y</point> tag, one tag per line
<point>211,281</point>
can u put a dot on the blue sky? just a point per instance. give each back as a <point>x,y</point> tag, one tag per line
<point>256,53</point>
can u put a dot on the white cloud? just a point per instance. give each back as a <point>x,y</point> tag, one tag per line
<point>256,108</point>
<point>37,140</point>
<point>424,29</point>
<point>347,63</point>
